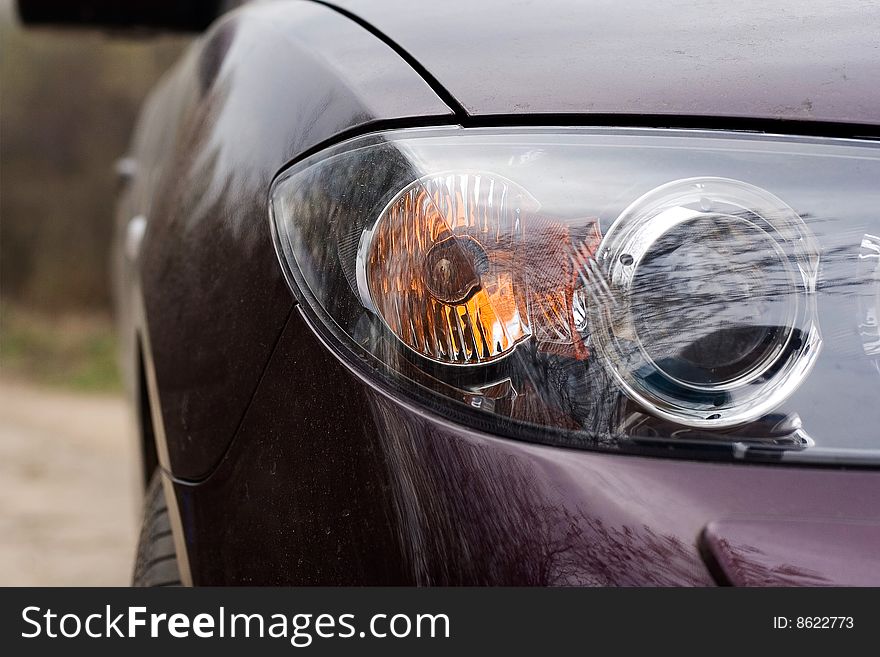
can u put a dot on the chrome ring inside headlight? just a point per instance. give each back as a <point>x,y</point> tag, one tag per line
<point>706,314</point>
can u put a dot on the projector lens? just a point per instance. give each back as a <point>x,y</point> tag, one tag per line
<point>711,303</point>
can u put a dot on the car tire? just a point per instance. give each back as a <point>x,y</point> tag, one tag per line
<point>156,562</point>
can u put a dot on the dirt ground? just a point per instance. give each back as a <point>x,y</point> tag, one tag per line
<point>69,496</point>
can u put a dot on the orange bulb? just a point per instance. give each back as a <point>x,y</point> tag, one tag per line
<point>459,275</point>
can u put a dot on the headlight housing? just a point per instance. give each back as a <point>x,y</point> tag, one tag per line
<point>616,289</point>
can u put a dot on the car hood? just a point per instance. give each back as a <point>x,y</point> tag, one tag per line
<point>792,59</point>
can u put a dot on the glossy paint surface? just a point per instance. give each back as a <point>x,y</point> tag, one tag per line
<point>303,495</point>
<point>308,495</point>
<point>290,470</point>
<point>793,59</point>
<point>795,552</point>
<point>265,84</point>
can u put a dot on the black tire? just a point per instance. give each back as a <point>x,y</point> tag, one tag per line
<point>156,562</point>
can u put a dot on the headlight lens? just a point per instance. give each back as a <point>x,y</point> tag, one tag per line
<point>619,289</point>
<point>710,319</point>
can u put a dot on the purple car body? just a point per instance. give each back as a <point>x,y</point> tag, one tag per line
<point>282,466</point>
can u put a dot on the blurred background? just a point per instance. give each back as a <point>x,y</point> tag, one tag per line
<point>69,498</point>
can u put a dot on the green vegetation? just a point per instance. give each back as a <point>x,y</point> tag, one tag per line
<point>73,351</point>
<point>68,104</point>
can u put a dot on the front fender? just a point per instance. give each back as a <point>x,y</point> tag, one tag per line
<point>264,85</point>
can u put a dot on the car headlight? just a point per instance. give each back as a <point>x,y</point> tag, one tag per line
<point>622,289</point>
<point>710,319</point>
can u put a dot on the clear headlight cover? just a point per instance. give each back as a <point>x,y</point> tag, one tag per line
<point>695,292</point>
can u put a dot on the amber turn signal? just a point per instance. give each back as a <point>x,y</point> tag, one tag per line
<point>462,268</point>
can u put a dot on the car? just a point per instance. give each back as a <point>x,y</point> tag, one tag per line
<point>504,293</point>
